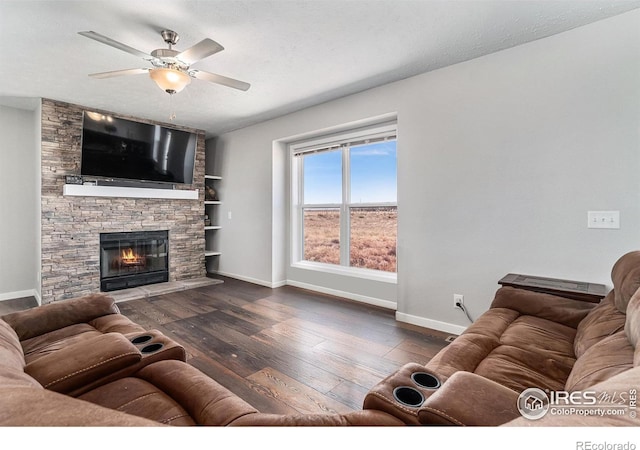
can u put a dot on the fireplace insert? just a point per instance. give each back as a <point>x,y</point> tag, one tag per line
<point>133,259</point>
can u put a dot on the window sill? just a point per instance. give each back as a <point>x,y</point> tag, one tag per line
<point>368,274</point>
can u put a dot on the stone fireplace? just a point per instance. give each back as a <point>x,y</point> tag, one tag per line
<point>71,226</point>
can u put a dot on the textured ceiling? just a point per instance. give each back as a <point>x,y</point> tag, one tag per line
<point>294,53</point>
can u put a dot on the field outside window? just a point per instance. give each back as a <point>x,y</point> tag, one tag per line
<point>373,238</point>
<point>322,235</point>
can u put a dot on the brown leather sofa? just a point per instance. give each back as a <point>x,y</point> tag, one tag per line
<point>81,363</point>
<point>527,340</point>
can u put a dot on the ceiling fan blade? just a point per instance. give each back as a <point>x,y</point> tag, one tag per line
<point>219,79</point>
<point>118,73</point>
<point>120,46</point>
<point>201,50</point>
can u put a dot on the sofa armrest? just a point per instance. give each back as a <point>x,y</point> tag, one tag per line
<point>71,367</point>
<point>53,316</point>
<point>469,399</point>
<point>546,306</point>
<point>206,401</point>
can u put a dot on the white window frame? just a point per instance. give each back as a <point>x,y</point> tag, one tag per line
<point>341,140</point>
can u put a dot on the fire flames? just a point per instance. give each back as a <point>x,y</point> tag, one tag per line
<point>129,258</point>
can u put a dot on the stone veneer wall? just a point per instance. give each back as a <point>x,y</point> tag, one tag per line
<point>71,226</point>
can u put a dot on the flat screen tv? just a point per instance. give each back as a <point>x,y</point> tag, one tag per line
<point>117,148</point>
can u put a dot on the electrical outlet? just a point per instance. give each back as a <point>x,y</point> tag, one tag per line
<point>458,301</point>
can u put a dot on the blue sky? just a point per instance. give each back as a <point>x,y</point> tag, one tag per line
<point>373,175</point>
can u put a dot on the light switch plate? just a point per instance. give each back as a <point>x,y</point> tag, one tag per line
<point>603,219</point>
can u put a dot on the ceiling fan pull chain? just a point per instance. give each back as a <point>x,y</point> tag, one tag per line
<point>172,113</point>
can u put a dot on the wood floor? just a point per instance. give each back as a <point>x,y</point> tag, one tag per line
<point>284,350</point>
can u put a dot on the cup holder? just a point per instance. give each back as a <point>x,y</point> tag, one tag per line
<point>425,380</point>
<point>141,339</point>
<point>408,396</point>
<point>151,348</point>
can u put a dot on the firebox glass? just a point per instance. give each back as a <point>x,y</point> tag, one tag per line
<point>124,254</point>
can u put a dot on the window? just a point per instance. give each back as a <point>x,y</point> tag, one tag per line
<point>344,201</point>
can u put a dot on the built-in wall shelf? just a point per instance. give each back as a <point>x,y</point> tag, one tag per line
<point>86,190</point>
<point>211,214</point>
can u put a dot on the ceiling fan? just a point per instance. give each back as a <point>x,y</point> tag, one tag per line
<point>171,69</point>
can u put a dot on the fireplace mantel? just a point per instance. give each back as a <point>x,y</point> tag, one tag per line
<point>85,190</point>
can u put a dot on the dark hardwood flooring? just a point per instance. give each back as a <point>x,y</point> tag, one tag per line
<point>17,304</point>
<point>283,350</point>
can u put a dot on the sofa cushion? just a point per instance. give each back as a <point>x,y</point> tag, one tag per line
<point>533,352</point>
<point>604,320</point>
<point>44,344</point>
<point>566,311</point>
<point>172,393</point>
<point>12,361</point>
<point>603,360</point>
<point>75,366</point>
<point>468,350</point>
<point>47,343</point>
<point>632,326</point>
<point>139,398</point>
<point>626,279</point>
<point>10,350</point>
<point>517,351</point>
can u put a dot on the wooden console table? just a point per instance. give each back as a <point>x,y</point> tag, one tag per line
<point>577,290</point>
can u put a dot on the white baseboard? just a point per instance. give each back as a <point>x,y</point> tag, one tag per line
<point>19,294</point>
<point>36,294</point>
<point>430,323</point>
<point>311,287</point>
<point>360,298</point>
<point>268,284</point>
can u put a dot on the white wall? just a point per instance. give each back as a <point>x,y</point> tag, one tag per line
<point>499,160</point>
<point>19,202</point>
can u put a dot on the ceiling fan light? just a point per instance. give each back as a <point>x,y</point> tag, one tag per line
<point>170,80</point>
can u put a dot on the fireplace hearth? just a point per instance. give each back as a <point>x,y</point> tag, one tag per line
<point>133,259</point>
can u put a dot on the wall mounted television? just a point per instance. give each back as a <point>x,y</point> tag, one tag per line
<point>122,149</point>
